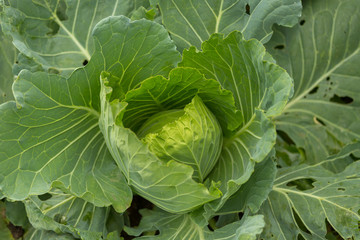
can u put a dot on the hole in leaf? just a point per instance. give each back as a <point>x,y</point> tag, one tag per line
<point>341,100</point>
<point>331,232</point>
<point>314,90</point>
<point>61,11</point>
<point>17,62</point>
<point>319,121</point>
<point>45,196</point>
<point>247,9</point>
<point>302,184</point>
<point>299,222</point>
<point>328,79</point>
<point>53,28</point>
<point>341,189</point>
<point>285,137</point>
<point>61,14</point>
<point>85,62</point>
<point>302,22</point>
<point>281,46</point>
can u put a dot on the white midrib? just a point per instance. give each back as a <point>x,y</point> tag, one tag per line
<point>58,204</point>
<point>325,75</point>
<point>239,132</point>
<point>219,17</point>
<point>84,51</point>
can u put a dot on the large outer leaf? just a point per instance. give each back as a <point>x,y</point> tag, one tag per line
<point>7,59</point>
<point>47,136</point>
<point>261,90</point>
<point>168,185</point>
<point>334,197</point>
<point>131,52</point>
<point>191,22</point>
<point>176,227</point>
<point>68,214</point>
<point>56,33</point>
<point>322,53</point>
<point>61,116</point>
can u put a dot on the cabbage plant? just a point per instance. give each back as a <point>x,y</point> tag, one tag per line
<point>179,119</point>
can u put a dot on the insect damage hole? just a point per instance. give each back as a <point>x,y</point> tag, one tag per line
<point>247,9</point>
<point>302,184</point>
<point>85,62</point>
<point>319,121</point>
<point>341,100</point>
<point>314,90</point>
<point>279,47</point>
<point>302,22</point>
<point>45,196</point>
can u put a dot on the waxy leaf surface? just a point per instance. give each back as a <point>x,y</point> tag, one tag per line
<point>46,137</point>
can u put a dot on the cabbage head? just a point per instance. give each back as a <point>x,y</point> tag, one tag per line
<point>190,135</point>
